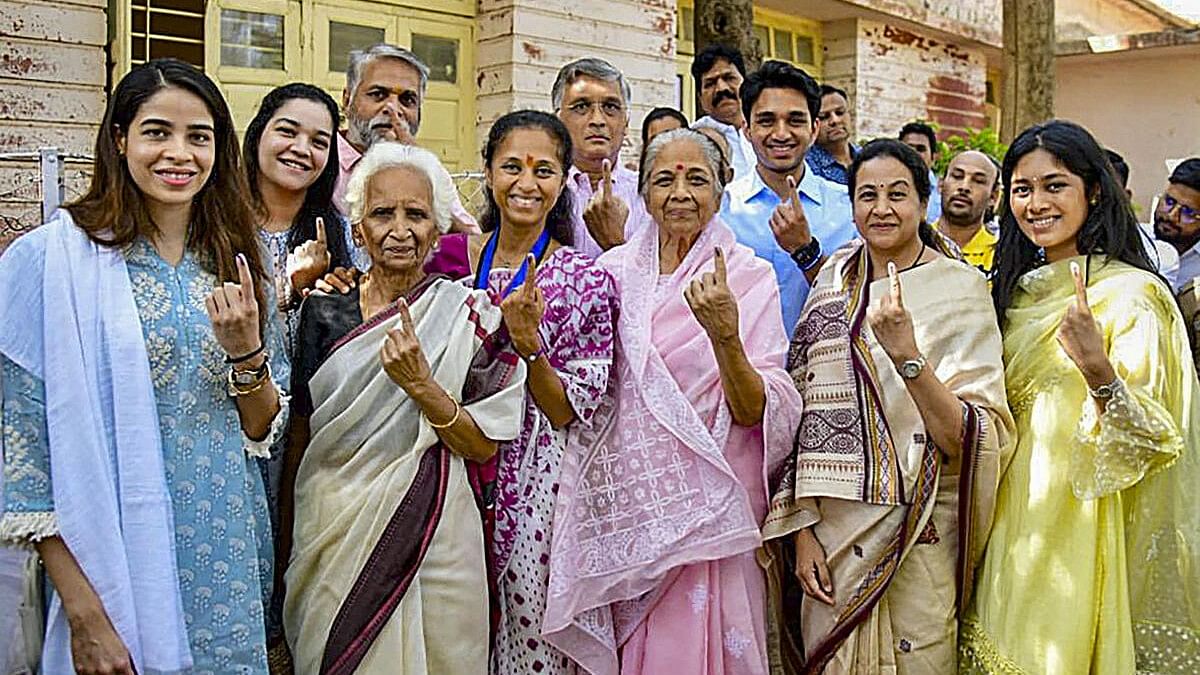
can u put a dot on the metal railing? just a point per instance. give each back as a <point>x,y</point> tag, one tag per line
<point>55,177</point>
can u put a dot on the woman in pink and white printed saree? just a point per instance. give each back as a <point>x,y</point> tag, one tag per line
<point>653,565</point>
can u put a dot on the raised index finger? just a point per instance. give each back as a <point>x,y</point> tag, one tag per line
<point>1081,300</point>
<point>894,278</point>
<point>321,230</point>
<point>793,192</point>
<point>530,271</point>
<point>406,321</point>
<point>719,264</point>
<point>245,279</point>
<point>607,182</point>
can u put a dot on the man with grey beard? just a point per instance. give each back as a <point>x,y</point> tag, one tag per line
<point>385,87</point>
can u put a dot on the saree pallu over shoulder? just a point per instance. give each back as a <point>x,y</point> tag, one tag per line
<point>388,569</point>
<point>651,486</point>
<point>864,472</point>
<point>1112,492</point>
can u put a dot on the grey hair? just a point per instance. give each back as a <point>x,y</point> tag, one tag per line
<point>391,155</point>
<point>712,154</point>
<point>590,67</point>
<point>359,58</point>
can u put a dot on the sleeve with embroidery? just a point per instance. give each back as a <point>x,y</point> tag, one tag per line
<point>1135,435</point>
<point>28,515</point>
<point>281,374</point>
<point>581,347</point>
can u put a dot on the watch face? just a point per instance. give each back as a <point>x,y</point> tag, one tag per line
<point>910,369</point>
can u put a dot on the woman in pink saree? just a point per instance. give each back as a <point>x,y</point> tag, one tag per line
<point>653,565</point>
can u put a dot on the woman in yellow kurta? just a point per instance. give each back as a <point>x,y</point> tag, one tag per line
<point>1092,565</point>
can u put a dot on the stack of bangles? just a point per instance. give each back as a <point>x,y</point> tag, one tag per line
<point>246,382</point>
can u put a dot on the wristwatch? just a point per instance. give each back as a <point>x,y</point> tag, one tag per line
<point>807,255</point>
<point>247,381</point>
<point>911,369</point>
<point>1106,391</point>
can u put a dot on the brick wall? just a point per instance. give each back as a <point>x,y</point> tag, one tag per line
<point>52,77</point>
<point>898,75</point>
<point>523,43</point>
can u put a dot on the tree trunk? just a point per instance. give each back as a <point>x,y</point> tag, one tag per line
<point>1029,45</point>
<point>728,22</point>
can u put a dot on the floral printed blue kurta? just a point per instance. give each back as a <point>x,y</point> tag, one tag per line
<point>223,538</point>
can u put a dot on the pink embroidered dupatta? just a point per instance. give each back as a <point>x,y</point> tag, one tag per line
<point>654,484</point>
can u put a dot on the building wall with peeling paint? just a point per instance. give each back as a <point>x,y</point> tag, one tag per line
<point>52,79</point>
<point>522,43</point>
<point>894,76</point>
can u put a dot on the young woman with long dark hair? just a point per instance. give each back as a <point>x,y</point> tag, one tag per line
<point>292,168</point>
<point>142,367</point>
<point>1094,556</point>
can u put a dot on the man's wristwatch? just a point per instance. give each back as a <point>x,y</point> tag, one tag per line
<point>808,255</point>
<point>911,369</point>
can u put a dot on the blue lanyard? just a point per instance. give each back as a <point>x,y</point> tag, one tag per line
<point>489,252</point>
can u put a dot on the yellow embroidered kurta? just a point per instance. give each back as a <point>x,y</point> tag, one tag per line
<point>1092,562</point>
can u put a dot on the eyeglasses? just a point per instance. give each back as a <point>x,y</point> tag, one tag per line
<point>582,109</point>
<point>1187,214</point>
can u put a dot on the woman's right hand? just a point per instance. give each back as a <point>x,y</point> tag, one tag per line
<point>339,281</point>
<point>96,649</point>
<point>811,568</point>
<point>308,262</point>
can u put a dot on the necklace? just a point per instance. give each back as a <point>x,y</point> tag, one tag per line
<point>917,260</point>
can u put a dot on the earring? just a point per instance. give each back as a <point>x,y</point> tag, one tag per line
<point>1040,257</point>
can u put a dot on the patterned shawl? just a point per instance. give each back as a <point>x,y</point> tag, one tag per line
<point>862,439</point>
<point>649,487</point>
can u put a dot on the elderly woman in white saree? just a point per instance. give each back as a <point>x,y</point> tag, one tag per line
<point>884,505</point>
<point>398,381</point>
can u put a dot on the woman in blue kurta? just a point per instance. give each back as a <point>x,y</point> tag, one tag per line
<point>140,361</point>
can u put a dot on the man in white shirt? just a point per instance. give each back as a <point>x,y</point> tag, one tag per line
<point>719,72</point>
<point>1177,221</point>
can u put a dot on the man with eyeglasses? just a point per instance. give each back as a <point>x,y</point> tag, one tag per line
<point>591,97</point>
<point>1177,220</point>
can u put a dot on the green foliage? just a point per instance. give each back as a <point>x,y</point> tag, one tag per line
<point>985,140</point>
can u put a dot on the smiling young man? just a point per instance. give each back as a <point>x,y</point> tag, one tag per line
<point>831,155</point>
<point>591,97</point>
<point>719,71</point>
<point>785,212</point>
<point>970,185</point>
<point>385,87</point>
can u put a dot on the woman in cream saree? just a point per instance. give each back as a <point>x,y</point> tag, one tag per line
<point>387,571</point>
<point>886,500</point>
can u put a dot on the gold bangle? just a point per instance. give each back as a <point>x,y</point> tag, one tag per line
<point>457,414</point>
<point>238,391</point>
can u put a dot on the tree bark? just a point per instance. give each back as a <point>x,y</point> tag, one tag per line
<point>727,22</point>
<point>1029,46</point>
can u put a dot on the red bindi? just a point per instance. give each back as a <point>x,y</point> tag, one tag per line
<point>679,167</point>
<point>529,161</point>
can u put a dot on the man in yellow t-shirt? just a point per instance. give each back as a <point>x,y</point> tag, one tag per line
<point>970,184</point>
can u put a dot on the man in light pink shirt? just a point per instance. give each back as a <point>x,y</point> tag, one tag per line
<point>591,98</point>
<point>385,86</point>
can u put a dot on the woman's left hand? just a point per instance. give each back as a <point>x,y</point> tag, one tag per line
<point>713,303</point>
<point>892,324</point>
<point>233,311</point>
<point>403,359</point>
<point>523,310</point>
<point>309,261</point>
